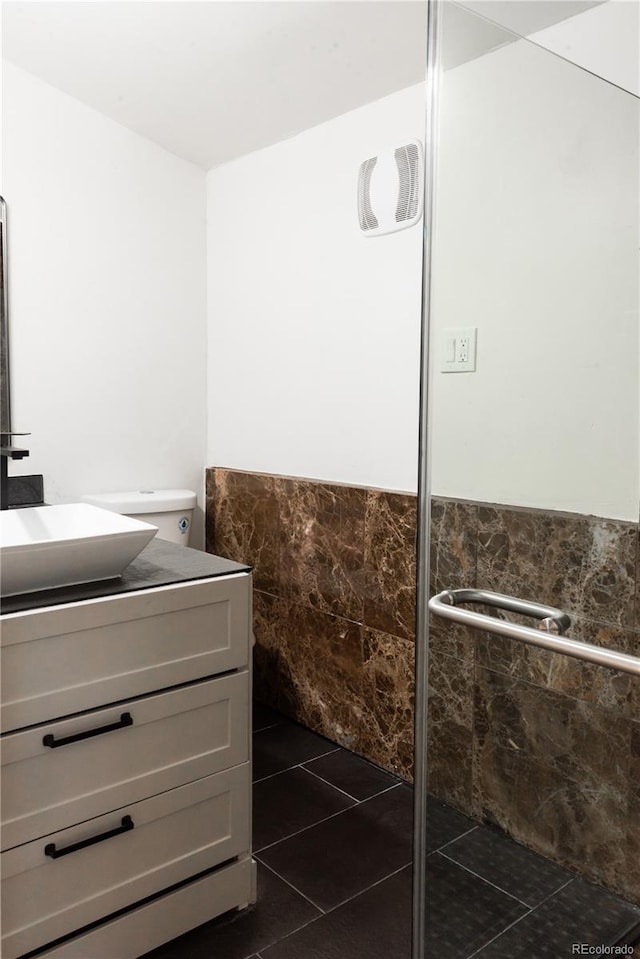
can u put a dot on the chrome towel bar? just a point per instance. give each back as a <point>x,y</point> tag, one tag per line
<point>547,635</point>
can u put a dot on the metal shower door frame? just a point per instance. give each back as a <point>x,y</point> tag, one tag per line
<point>447,604</point>
<point>424,492</point>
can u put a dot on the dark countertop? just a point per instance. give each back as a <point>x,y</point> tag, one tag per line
<point>25,491</point>
<point>159,564</point>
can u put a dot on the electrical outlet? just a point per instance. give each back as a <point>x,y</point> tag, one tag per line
<point>458,350</point>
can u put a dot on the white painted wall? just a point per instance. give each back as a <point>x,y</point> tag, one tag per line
<point>537,245</point>
<point>108,298</point>
<point>313,327</point>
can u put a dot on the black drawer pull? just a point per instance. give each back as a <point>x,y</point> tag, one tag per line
<point>50,848</point>
<point>50,740</point>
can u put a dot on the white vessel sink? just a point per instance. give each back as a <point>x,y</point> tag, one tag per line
<point>43,547</point>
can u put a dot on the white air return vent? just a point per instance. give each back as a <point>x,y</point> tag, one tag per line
<point>390,189</point>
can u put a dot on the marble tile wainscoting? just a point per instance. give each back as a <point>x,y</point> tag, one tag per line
<point>334,603</point>
<point>545,747</point>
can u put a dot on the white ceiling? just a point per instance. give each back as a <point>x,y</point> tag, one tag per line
<point>211,80</point>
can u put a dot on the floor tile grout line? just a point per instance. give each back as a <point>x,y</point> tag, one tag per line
<point>397,780</point>
<point>300,893</point>
<point>338,905</point>
<point>276,942</point>
<point>555,892</point>
<point>264,728</point>
<point>284,723</point>
<point>381,793</point>
<point>333,786</point>
<point>525,916</point>
<point>478,827</point>
<point>367,888</point>
<point>313,825</point>
<point>450,842</point>
<point>273,775</point>
<point>297,766</point>
<point>350,795</point>
<point>484,879</point>
<point>501,933</point>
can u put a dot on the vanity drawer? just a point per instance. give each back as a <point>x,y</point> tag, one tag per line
<point>165,840</point>
<point>62,659</point>
<point>146,746</point>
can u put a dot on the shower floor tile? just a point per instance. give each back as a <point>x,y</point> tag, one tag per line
<point>346,854</point>
<point>333,841</point>
<point>444,824</point>
<point>464,910</point>
<point>354,776</point>
<point>280,747</point>
<point>580,912</point>
<point>489,854</point>
<point>377,923</point>
<point>239,935</point>
<point>291,801</point>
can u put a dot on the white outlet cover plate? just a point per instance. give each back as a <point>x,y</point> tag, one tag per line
<point>458,350</point>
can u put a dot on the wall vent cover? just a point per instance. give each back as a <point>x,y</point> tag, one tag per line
<point>390,189</point>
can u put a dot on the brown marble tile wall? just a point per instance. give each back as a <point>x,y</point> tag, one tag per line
<point>633,848</point>
<point>334,603</point>
<point>554,741</point>
<point>544,746</point>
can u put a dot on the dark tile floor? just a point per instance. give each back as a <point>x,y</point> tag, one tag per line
<point>333,841</point>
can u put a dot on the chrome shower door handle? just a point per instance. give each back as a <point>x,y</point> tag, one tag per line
<point>548,634</point>
<point>551,620</point>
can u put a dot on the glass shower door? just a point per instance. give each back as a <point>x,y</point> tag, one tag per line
<point>530,493</point>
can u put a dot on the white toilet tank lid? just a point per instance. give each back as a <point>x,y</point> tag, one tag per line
<point>144,500</point>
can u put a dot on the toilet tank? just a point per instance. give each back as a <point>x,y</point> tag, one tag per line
<point>171,510</point>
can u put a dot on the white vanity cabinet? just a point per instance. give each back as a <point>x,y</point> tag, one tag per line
<point>126,774</point>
